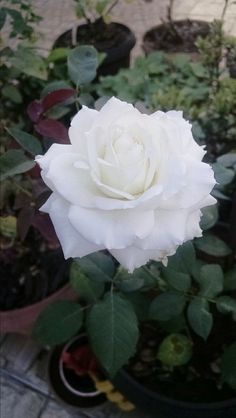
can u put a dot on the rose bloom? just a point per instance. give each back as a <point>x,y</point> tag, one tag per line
<point>129,182</point>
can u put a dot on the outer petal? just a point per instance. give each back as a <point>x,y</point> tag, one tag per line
<point>113,110</point>
<point>132,257</point>
<point>81,123</point>
<point>112,229</point>
<point>73,244</point>
<point>168,232</point>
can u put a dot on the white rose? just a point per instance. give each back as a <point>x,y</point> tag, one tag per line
<point>129,182</point>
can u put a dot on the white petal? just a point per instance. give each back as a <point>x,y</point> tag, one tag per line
<point>168,232</point>
<point>113,110</point>
<point>193,229</point>
<point>131,257</point>
<point>112,229</point>
<point>73,244</point>
<point>55,150</point>
<point>81,123</point>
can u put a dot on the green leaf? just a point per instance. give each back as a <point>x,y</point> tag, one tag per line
<point>11,92</point>
<point>82,64</point>
<point>211,280</point>
<point>113,331</point>
<point>199,317</point>
<point>212,245</point>
<point>226,304</point>
<point>184,259</point>
<point>53,86</point>
<point>58,322</point>
<point>209,217</point>
<point>140,302</point>
<point>98,267</point>
<point>29,142</point>
<point>223,175</point>
<point>177,280</point>
<point>30,63</point>
<point>166,306</point>
<point>58,54</point>
<point>131,282</point>
<point>228,366</point>
<point>87,289</point>
<point>228,160</point>
<point>14,162</point>
<point>230,279</point>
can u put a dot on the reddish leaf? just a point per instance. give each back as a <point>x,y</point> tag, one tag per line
<point>21,200</point>
<point>56,97</point>
<point>35,110</point>
<point>53,129</point>
<point>44,225</point>
<point>34,172</point>
<point>24,221</point>
<point>82,360</point>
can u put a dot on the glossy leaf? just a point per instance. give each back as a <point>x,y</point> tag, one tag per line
<point>177,280</point>
<point>209,217</point>
<point>97,266</point>
<point>199,317</point>
<point>226,304</point>
<point>113,331</point>
<point>87,289</point>
<point>184,259</point>
<point>82,64</point>
<point>166,306</point>
<point>223,175</point>
<point>212,245</point>
<point>35,110</point>
<point>29,142</point>
<point>211,280</point>
<point>53,129</point>
<point>30,63</point>
<point>11,92</point>
<point>14,162</point>
<point>58,322</point>
<point>56,97</point>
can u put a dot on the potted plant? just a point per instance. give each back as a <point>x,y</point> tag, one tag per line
<point>175,35</point>
<point>113,39</point>
<point>162,323</point>
<point>72,369</point>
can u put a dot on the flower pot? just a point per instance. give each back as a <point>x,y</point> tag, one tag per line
<point>116,42</point>
<point>72,389</point>
<point>154,402</point>
<point>22,320</point>
<point>178,37</point>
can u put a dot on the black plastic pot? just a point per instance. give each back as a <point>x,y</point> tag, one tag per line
<point>162,407</point>
<point>117,54</point>
<point>165,37</point>
<point>73,390</point>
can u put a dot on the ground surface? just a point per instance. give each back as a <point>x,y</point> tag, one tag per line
<point>24,390</point>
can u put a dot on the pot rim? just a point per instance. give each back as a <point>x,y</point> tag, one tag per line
<point>28,308</point>
<point>62,375</point>
<point>184,404</point>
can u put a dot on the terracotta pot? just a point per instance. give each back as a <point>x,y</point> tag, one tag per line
<point>22,320</point>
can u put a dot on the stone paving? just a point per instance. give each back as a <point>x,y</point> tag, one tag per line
<point>24,389</point>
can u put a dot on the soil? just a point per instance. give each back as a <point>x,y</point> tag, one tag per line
<point>197,381</point>
<point>179,36</point>
<point>29,273</point>
<point>102,36</point>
